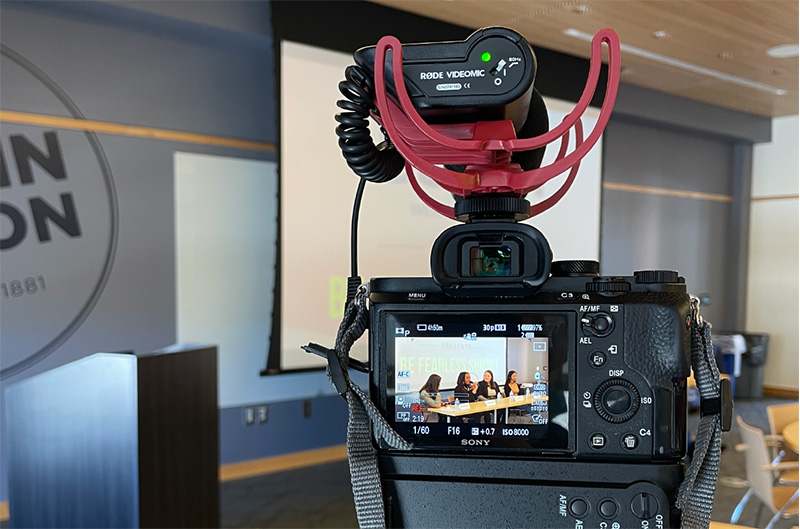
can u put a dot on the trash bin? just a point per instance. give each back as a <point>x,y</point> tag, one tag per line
<point>731,347</point>
<point>749,385</point>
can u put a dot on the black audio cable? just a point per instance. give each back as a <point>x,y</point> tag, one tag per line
<point>354,281</point>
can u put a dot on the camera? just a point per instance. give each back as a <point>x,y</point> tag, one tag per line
<point>597,431</point>
<point>531,392</point>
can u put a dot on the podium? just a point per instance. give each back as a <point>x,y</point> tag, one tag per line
<point>116,440</point>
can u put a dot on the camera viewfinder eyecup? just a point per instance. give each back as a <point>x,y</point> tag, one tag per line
<point>487,258</point>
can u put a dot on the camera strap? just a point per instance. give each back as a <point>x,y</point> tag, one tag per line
<point>364,419</point>
<point>696,493</point>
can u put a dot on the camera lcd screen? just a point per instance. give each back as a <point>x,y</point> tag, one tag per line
<point>493,380</point>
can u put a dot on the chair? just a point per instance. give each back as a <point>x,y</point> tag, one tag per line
<point>779,416</point>
<point>780,499</point>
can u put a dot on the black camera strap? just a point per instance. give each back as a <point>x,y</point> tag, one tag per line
<point>696,494</point>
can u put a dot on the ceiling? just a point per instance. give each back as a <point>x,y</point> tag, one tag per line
<point>728,37</point>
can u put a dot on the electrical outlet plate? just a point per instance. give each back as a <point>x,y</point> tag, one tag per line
<point>249,416</point>
<point>262,412</point>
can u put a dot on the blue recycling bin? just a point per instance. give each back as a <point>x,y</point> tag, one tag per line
<point>728,368</point>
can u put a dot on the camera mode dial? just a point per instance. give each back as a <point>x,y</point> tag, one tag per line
<point>616,400</point>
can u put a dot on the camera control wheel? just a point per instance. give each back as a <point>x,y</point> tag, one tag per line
<point>657,276</point>
<point>616,400</point>
<point>575,268</point>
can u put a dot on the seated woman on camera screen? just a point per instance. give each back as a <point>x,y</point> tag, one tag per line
<point>488,388</point>
<point>517,413</point>
<point>512,388</point>
<point>465,388</point>
<point>430,398</point>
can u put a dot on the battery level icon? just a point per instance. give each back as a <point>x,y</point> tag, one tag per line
<point>527,327</point>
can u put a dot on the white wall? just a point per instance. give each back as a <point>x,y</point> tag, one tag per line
<point>772,286</point>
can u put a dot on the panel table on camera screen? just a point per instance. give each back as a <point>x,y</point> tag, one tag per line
<point>482,406</point>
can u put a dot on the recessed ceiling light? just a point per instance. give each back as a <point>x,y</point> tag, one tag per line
<point>783,51</point>
<point>683,65</point>
<point>660,34</point>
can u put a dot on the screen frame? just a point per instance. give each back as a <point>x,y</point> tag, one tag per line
<point>382,382</point>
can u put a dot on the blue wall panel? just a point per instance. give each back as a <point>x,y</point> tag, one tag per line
<point>286,431</point>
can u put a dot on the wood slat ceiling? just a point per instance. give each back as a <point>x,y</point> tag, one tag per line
<point>728,36</point>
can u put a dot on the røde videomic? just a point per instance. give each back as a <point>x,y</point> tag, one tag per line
<point>591,428</point>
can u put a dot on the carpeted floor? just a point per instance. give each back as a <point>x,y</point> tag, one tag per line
<point>320,496</point>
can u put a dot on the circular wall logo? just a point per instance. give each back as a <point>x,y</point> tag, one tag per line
<point>58,219</point>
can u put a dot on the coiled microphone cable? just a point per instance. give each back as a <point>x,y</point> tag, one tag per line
<point>372,163</point>
<point>375,164</point>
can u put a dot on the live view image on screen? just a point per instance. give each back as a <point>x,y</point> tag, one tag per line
<point>499,379</point>
<point>472,379</point>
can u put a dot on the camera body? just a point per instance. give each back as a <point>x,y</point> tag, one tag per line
<point>598,428</point>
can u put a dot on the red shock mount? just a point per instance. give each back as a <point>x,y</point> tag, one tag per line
<point>485,147</point>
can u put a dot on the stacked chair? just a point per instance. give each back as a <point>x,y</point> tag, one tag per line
<point>772,481</point>
<point>780,415</point>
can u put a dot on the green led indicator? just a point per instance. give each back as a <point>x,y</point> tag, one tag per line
<point>486,57</point>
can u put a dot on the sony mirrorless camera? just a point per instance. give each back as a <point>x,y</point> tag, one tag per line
<point>596,437</point>
<point>534,393</point>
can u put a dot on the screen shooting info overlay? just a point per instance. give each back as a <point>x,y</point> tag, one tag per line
<point>437,389</point>
<point>396,230</point>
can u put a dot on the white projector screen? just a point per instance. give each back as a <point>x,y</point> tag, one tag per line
<point>447,357</point>
<point>396,229</point>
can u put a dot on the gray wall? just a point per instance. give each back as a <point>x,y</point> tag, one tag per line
<point>658,140</point>
<point>642,231</point>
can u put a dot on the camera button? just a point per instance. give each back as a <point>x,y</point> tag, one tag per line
<point>601,324</point>
<point>617,400</point>
<point>629,442</point>
<point>597,324</point>
<point>579,508</point>
<point>597,359</point>
<point>608,509</point>
<point>597,441</point>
